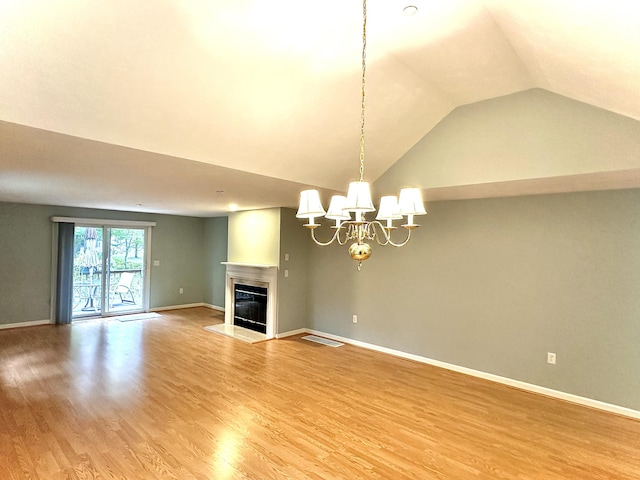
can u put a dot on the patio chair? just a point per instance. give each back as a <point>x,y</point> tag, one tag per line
<point>124,287</point>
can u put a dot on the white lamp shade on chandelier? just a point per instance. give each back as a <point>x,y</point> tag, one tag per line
<point>310,206</point>
<point>358,200</point>
<point>389,208</point>
<point>336,208</point>
<point>411,202</point>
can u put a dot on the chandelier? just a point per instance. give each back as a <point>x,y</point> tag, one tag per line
<point>358,229</point>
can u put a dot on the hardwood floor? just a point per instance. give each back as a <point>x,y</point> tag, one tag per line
<point>163,398</point>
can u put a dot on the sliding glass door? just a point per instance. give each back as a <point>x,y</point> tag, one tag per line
<point>108,270</point>
<point>125,282</point>
<point>87,271</point>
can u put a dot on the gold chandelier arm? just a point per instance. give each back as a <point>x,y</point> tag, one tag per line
<point>336,236</point>
<point>378,227</point>
<point>339,240</point>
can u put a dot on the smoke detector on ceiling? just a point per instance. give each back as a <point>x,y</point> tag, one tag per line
<point>410,10</point>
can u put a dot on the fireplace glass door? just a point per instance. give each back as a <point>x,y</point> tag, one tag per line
<point>250,307</point>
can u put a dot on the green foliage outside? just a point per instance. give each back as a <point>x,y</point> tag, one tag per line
<point>126,248</point>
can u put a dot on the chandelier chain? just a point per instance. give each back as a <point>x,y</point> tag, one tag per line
<point>364,69</point>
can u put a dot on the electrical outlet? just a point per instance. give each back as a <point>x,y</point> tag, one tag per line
<point>286,257</point>
<point>286,273</point>
<point>551,358</point>
<point>181,290</point>
<point>355,319</point>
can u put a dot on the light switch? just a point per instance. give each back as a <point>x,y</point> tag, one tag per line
<point>156,263</point>
<point>286,257</point>
<point>286,273</point>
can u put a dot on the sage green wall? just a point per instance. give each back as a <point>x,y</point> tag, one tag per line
<point>530,134</point>
<point>26,250</point>
<point>25,263</point>
<point>215,241</point>
<point>292,290</point>
<point>178,242</point>
<point>495,284</point>
<point>254,236</point>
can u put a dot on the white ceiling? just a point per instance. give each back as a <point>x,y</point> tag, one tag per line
<point>166,103</point>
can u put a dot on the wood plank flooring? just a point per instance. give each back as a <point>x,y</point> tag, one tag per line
<point>165,399</point>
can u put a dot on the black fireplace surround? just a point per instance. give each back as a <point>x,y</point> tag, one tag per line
<point>250,307</point>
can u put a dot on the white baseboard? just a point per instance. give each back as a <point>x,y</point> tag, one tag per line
<point>292,332</point>
<point>25,324</point>
<point>213,307</point>
<point>568,397</point>
<point>187,305</point>
<point>177,307</point>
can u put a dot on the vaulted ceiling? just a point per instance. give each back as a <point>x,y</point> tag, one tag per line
<point>170,103</point>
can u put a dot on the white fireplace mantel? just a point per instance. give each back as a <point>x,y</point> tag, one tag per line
<point>265,274</point>
<point>253,265</point>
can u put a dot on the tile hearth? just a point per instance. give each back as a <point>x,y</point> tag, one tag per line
<point>239,333</point>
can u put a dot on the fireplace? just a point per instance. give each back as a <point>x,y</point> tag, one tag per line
<point>250,307</point>
<point>251,297</point>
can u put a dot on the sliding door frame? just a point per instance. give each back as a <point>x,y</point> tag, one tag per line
<point>106,310</point>
<point>102,223</point>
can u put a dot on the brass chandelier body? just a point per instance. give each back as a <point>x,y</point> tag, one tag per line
<point>358,200</point>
